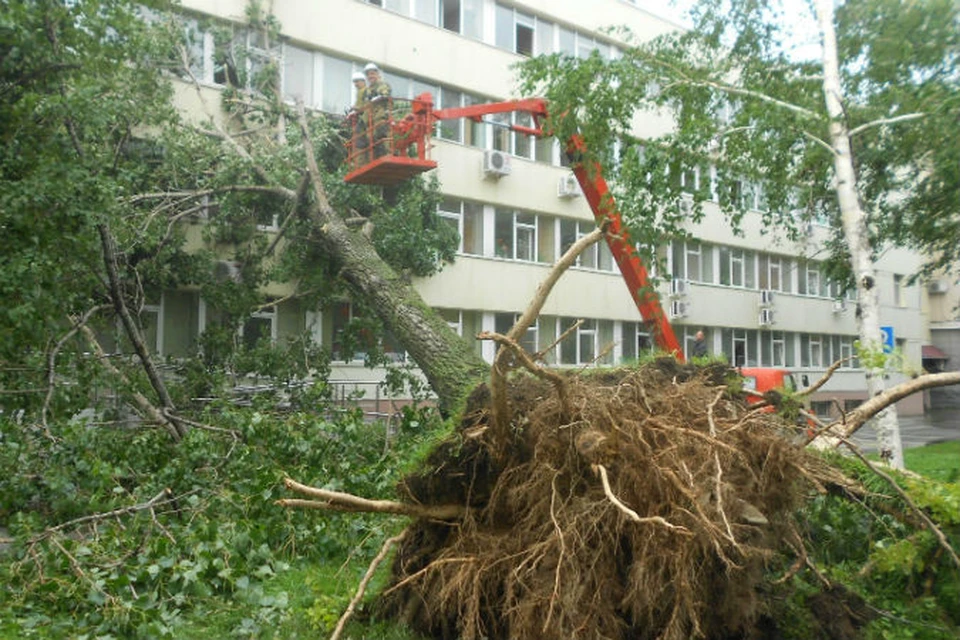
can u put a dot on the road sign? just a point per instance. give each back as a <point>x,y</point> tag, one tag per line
<point>888,339</point>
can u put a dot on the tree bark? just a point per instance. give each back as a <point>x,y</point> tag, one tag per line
<point>854,222</point>
<point>450,364</point>
<point>133,332</point>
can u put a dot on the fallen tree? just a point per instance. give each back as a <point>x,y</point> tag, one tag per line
<point>645,502</point>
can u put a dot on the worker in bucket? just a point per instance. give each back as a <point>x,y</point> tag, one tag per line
<point>377,98</point>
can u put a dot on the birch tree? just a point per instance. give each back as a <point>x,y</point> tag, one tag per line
<point>831,124</point>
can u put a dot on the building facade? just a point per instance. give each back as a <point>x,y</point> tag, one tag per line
<point>761,300</point>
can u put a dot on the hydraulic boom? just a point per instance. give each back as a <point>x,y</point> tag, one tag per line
<point>390,145</point>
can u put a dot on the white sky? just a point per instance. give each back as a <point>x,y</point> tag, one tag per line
<point>801,22</point>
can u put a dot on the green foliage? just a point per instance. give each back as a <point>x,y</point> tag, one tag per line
<point>884,553</point>
<point>217,542</point>
<point>743,98</point>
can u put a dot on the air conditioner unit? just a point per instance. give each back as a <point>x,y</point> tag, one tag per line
<point>226,271</point>
<point>678,287</point>
<point>766,297</point>
<point>766,317</point>
<point>686,204</point>
<point>496,163</point>
<point>839,306</point>
<point>568,187</point>
<point>678,309</point>
<point>937,286</point>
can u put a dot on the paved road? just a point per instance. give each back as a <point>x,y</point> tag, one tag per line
<point>915,431</point>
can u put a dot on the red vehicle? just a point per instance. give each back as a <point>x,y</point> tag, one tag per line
<point>759,380</point>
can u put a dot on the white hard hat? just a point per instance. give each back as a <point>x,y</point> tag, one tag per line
<point>358,76</point>
<point>371,67</point>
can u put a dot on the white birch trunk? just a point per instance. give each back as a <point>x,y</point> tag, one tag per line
<point>855,231</point>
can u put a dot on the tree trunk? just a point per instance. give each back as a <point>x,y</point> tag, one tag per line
<point>450,364</point>
<point>855,230</point>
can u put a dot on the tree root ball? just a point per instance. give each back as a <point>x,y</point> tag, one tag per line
<point>644,506</point>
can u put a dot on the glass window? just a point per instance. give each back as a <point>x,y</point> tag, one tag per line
<point>503,233</point>
<point>400,6</point>
<point>450,129</point>
<point>473,131</point>
<point>543,44</point>
<point>504,26</point>
<point>450,13</point>
<point>472,240</point>
<point>298,74</point>
<point>525,26</point>
<point>337,87</point>
<point>261,325</point>
<point>526,237</point>
<point>472,19</point>
<point>426,11</point>
<point>587,341</point>
<point>568,42</point>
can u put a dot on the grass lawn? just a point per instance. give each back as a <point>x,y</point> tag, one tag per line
<point>939,461</point>
<point>310,599</point>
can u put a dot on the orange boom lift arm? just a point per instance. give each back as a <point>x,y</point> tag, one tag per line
<point>391,143</point>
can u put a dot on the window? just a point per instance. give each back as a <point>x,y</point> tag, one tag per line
<point>737,267</point>
<point>261,325</point>
<point>847,351</point>
<point>740,347</point>
<point>298,75</point>
<point>516,32</point>
<point>773,349</point>
<point>809,280</point>
<point>899,299</point>
<point>450,129</point>
<point>462,16</point>
<point>821,408</point>
<point>692,261</point>
<point>467,219</point>
<point>771,273</point>
<point>580,346</point>
<point>503,322</point>
<point>811,350</point>
<point>635,341</point>
<point>454,318</point>
<point>570,232</point>
<point>515,235</point>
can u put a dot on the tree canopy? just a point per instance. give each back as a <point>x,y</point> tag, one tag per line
<point>99,169</point>
<point>744,93</point>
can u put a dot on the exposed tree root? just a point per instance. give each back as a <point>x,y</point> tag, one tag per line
<point>634,503</point>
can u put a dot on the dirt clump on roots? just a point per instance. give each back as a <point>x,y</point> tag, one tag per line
<point>637,503</point>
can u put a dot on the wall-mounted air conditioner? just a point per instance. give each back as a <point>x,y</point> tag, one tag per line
<point>678,287</point>
<point>839,306</point>
<point>766,317</point>
<point>496,163</point>
<point>766,297</point>
<point>678,309</point>
<point>568,187</point>
<point>937,286</point>
<point>226,271</point>
<point>686,204</point>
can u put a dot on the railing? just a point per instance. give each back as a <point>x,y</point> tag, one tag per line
<point>389,127</point>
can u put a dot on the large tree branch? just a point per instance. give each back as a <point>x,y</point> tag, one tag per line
<point>339,501</point>
<point>133,330</point>
<point>52,360</point>
<point>147,407</point>
<point>873,406</point>
<point>885,121</point>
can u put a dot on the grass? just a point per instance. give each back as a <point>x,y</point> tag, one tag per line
<point>940,461</point>
<point>314,596</point>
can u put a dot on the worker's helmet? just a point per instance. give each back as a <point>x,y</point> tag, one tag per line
<point>358,76</point>
<point>371,67</point>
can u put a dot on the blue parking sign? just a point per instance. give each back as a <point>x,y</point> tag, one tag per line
<point>888,339</point>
